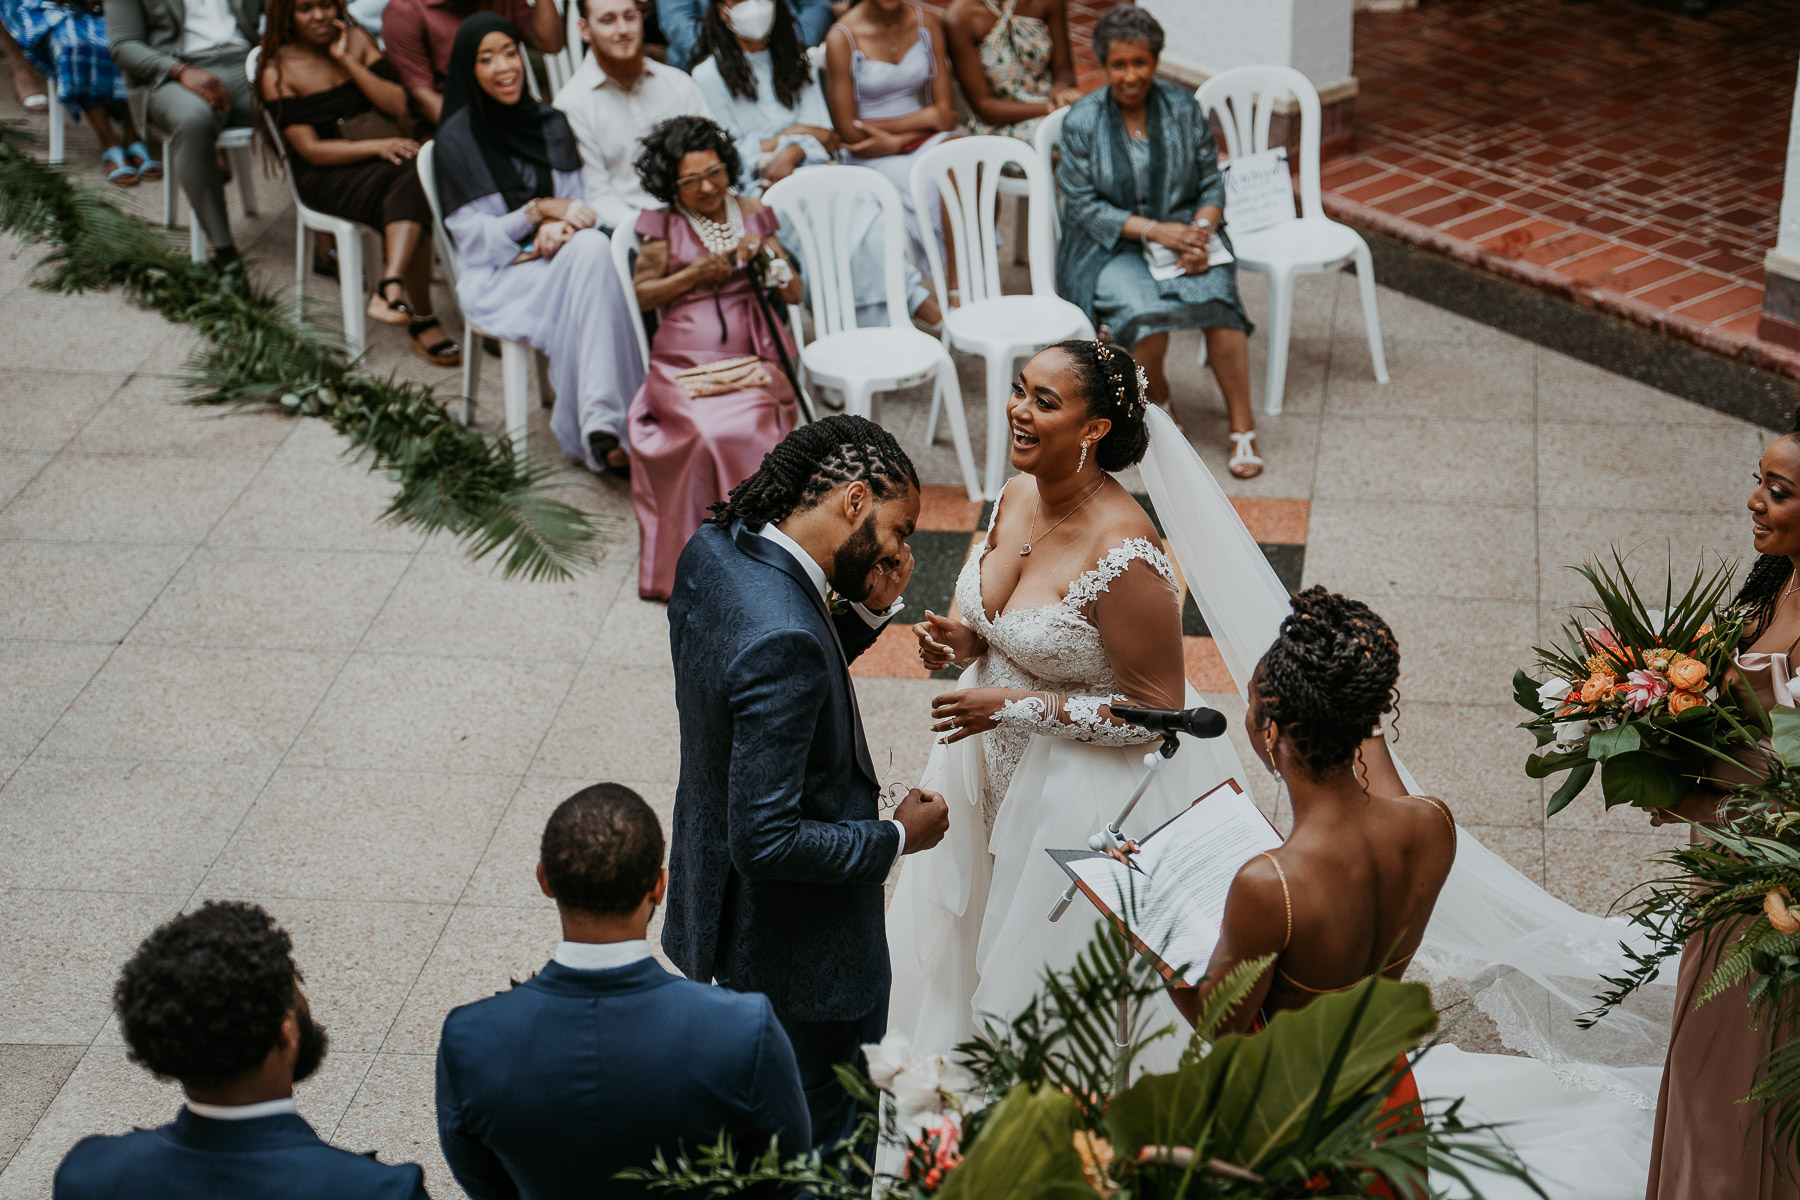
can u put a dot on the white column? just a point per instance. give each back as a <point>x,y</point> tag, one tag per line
<point>1784,259</point>
<point>1205,37</point>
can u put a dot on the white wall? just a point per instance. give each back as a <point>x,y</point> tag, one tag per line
<point>1209,36</point>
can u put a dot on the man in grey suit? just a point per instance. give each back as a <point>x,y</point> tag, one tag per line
<point>190,54</point>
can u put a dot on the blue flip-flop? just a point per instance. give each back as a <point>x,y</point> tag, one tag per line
<point>138,155</point>
<point>119,174</point>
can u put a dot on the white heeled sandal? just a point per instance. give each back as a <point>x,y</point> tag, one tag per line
<point>1244,457</point>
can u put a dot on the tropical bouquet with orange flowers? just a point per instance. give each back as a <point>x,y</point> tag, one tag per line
<point>1633,694</point>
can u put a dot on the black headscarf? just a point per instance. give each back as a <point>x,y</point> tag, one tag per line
<point>483,143</point>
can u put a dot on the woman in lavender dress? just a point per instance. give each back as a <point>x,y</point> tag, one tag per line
<point>530,265</point>
<point>692,441</point>
<point>887,84</point>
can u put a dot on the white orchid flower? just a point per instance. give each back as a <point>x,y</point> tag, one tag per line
<point>887,1058</point>
<point>1552,691</point>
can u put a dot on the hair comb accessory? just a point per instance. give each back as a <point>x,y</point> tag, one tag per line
<point>1143,382</point>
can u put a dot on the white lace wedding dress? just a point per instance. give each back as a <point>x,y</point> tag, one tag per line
<point>967,929</point>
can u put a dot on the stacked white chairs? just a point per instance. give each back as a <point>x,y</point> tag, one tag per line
<point>561,65</point>
<point>515,357</point>
<point>348,234</point>
<point>819,204</point>
<point>1241,102</point>
<point>965,174</point>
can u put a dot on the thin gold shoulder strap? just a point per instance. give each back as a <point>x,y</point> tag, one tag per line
<point>1445,809</point>
<point>1287,900</point>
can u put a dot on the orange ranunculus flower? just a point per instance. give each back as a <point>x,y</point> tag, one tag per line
<point>1598,687</point>
<point>1688,674</point>
<point>1680,702</point>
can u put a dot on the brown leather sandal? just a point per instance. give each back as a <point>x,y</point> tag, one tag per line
<point>445,353</point>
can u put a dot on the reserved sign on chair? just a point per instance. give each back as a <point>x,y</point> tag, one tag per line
<point>1258,191</point>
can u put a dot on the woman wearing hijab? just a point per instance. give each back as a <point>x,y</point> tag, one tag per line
<point>530,264</point>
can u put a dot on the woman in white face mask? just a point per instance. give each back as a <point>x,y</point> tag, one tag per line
<point>763,93</point>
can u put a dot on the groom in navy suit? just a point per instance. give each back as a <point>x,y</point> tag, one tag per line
<point>779,853</point>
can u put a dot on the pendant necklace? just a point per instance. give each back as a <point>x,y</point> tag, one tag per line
<point>1035,508</point>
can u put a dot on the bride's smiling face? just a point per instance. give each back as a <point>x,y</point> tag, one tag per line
<point>1048,414</point>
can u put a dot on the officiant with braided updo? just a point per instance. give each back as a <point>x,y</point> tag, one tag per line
<point>717,397</point>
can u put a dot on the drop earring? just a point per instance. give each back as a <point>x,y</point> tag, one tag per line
<point>1079,465</point>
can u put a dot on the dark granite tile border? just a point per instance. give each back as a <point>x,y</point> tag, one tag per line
<point>1680,368</point>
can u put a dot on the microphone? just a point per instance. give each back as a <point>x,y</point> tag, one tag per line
<point>1200,722</point>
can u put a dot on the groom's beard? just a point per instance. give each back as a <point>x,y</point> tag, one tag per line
<point>854,562</point>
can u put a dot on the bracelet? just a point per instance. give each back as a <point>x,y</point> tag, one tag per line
<point>531,212</point>
<point>1203,223</point>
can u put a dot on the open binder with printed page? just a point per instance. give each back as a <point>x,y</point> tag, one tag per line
<point>1170,901</point>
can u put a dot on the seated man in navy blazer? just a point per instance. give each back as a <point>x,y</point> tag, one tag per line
<point>602,1058</point>
<point>212,999</point>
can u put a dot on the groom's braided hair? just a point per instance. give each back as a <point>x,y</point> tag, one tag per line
<point>809,462</point>
<point>1329,678</point>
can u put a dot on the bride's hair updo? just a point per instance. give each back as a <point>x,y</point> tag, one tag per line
<point>1113,385</point>
<point>1329,678</point>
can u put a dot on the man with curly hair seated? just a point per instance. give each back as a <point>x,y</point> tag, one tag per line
<point>212,1000</point>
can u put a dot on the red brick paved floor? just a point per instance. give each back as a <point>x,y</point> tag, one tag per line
<point>1613,152</point>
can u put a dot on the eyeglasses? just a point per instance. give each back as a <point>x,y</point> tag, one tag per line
<point>714,174</point>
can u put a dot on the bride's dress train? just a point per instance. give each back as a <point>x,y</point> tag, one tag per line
<point>968,933</point>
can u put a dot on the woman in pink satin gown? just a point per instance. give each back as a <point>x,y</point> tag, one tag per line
<point>689,451</point>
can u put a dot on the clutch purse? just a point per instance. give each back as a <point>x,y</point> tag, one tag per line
<point>726,375</point>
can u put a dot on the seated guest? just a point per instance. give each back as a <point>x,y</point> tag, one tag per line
<point>1121,192</point>
<point>757,81</point>
<point>614,98</point>
<point>1013,60</point>
<point>320,72</point>
<point>888,87</point>
<point>190,55</point>
<point>1349,894</point>
<point>604,1058</point>
<point>66,43</point>
<point>693,438</point>
<point>530,266</point>
<point>418,36</point>
<point>683,20</point>
<point>212,1000</point>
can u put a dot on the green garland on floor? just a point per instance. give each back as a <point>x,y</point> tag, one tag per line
<point>255,350</point>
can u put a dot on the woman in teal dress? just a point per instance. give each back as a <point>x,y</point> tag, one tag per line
<point>1139,165</point>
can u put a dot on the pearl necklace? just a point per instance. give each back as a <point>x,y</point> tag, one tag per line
<point>720,237</point>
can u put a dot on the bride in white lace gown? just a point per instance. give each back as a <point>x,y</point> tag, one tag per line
<point>967,930</point>
<point>1051,634</point>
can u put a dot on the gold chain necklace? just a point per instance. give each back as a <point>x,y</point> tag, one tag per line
<point>1037,507</point>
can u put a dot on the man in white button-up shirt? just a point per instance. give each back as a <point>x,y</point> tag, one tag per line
<point>614,98</point>
<point>190,54</point>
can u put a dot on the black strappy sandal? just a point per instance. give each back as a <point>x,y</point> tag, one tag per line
<point>390,312</point>
<point>600,445</point>
<point>441,354</point>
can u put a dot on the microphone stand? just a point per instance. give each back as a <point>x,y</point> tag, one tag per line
<point>1109,838</point>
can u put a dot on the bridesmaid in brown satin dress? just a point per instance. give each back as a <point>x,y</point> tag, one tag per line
<point>1708,1145</point>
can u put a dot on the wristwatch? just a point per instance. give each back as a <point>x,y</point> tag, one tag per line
<point>1203,223</point>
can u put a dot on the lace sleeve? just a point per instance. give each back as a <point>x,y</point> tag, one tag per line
<point>1135,610</point>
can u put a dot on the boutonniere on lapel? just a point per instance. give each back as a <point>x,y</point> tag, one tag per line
<point>836,603</point>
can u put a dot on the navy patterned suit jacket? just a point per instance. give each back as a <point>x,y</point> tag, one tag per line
<point>778,855</point>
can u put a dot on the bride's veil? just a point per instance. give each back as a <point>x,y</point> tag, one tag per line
<point>1528,960</point>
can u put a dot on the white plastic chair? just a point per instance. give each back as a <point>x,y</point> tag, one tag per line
<point>861,361</point>
<point>515,357</point>
<point>349,235</point>
<point>1241,101</point>
<point>561,65</point>
<point>1047,138</point>
<point>625,242</point>
<point>965,173</point>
